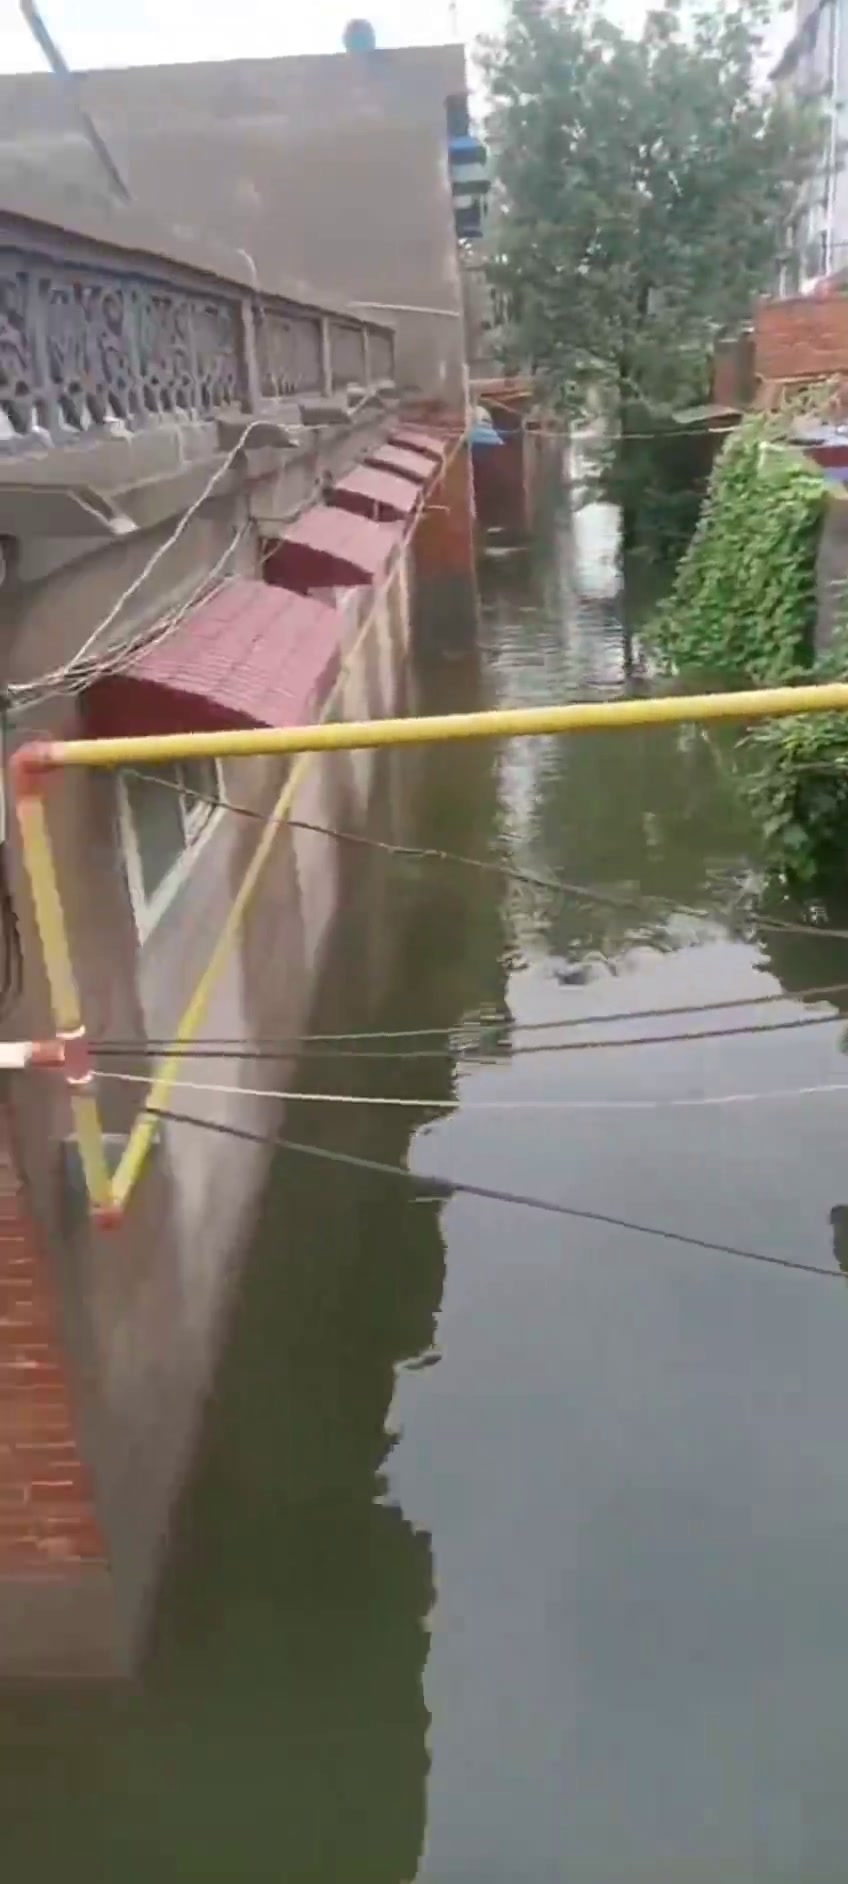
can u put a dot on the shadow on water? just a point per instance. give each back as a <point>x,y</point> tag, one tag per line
<point>515,1549</point>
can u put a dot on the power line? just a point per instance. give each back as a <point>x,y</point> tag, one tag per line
<point>123,655</point>
<point>463,1055</point>
<point>497,867</point>
<point>21,692</point>
<point>695,1103</point>
<point>598,441</point>
<point>70,85</point>
<point>445,1188</point>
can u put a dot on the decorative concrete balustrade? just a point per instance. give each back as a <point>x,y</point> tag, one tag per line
<point>96,334</point>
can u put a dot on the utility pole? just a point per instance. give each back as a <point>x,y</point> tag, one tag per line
<point>453,17</point>
<point>70,86</point>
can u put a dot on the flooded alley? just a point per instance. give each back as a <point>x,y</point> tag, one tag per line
<point>516,1549</point>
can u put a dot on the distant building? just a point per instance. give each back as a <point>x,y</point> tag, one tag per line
<point>815,64</point>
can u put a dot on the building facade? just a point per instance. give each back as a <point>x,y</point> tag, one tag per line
<point>814,64</point>
<point>335,170</point>
<point>220,506</point>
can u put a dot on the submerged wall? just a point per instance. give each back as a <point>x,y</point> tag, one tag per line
<point>125,1327</point>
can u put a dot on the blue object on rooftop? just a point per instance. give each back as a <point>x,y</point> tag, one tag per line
<point>359,36</point>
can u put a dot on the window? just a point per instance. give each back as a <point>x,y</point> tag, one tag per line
<point>164,816</point>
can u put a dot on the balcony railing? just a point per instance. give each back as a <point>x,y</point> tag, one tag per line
<point>89,336</point>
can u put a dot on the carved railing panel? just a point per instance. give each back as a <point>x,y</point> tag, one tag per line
<point>78,347</point>
<point>84,342</point>
<point>290,353</point>
<point>347,354</point>
<point>19,374</point>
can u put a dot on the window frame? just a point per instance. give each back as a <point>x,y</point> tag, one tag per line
<point>198,819</point>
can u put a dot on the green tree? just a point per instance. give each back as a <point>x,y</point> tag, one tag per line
<point>644,188</point>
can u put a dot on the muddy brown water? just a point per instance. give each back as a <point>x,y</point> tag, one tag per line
<point>517,1549</point>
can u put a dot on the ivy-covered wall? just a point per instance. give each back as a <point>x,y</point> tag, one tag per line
<point>743,610</point>
<point>743,603</point>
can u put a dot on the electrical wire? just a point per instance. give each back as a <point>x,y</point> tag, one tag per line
<point>604,440</point>
<point>445,1188</point>
<point>497,867</point>
<point>463,1055</point>
<point>697,1103</point>
<point>282,1049</point>
<point>598,441</point>
<point>122,655</point>
<point>57,676</point>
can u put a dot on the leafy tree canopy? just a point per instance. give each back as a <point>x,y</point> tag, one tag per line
<point>645,187</point>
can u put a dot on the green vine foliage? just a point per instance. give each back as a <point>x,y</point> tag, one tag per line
<point>743,602</point>
<point>742,611</point>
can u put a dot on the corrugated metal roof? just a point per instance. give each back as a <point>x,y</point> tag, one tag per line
<point>365,490</point>
<point>250,656</point>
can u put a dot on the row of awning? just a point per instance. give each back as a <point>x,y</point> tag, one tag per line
<point>265,653</point>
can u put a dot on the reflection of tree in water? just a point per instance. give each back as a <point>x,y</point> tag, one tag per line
<point>643,813</point>
<point>802,962</point>
<point>518,570</point>
<point>650,812</point>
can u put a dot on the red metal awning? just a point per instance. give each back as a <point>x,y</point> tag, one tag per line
<point>328,548</point>
<point>426,442</point>
<point>405,464</point>
<point>249,656</point>
<point>369,492</point>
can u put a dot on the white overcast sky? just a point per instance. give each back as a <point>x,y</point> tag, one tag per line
<point>153,32</point>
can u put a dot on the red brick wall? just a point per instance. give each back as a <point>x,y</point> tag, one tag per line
<point>802,338</point>
<point>444,537</point>
<point>47,1520</point>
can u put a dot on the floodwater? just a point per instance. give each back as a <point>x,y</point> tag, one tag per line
<point>517,1552</point>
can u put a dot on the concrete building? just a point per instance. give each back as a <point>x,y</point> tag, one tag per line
<point>216,510</point>
<point>334,170</point>
<point>814,63</point>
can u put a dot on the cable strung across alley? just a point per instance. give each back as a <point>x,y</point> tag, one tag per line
<point>560,886</point>
<point>544,1104</point>
<point>33,692</point>
<point>446,1188</point>
<point>463,1056</point>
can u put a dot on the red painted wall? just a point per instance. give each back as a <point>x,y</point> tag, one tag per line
<point>47,1520</point>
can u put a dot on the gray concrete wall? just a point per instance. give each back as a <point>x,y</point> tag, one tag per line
<point>144,1310</point>
<point>144,1307</point>
<point>331,169</point>
<point>832,570</point>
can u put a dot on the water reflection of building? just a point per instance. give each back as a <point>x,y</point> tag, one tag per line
<point>839,1230</point>
<point>280,1729</point>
